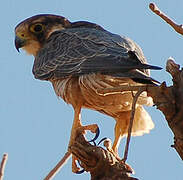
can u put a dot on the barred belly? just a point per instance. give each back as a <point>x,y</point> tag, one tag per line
<point>84,89</point>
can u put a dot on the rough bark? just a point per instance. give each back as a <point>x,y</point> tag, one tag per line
<point>99,162</point>
<point>169,101</point>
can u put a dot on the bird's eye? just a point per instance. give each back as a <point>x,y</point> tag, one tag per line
<point>37,28</point>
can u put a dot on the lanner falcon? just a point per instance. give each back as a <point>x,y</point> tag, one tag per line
<point>79,58</point>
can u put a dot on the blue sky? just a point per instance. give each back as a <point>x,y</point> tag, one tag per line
<point>35,125</point>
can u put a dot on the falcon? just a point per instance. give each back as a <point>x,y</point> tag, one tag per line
<point>79,58</point>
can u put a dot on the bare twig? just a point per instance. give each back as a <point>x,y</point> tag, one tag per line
<point>55,170</point>
<point>131,123</point>
<point>2,166</point>
<point>155,9</point>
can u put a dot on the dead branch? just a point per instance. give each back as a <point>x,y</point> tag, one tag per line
<point>59,165</point>
<point>2,166</point>
<point>155,9</point>
<point>101,163</point>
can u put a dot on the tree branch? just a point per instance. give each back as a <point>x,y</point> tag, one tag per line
<point>101,163</point>
<point>2,166</point>
<point>58,166</point>
<point>155,9</point>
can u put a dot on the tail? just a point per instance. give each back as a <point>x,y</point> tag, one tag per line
<point>142,122</point>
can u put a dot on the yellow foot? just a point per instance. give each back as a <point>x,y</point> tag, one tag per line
<point>108,145</point>
<point>94,129</point>
<point>81,130</point>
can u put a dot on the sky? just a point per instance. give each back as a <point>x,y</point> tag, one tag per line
<point>35,125</point>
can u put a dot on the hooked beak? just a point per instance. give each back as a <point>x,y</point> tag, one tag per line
<point>19,43</point>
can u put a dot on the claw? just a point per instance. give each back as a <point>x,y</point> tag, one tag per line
<point>81,171</point>
<point>96,136</point>
<point>103,139</point>
<point>94,143</point>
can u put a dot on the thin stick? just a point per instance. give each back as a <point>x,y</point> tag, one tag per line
<point>155,9</point>
<point>119,89</point>
<point>2,166</point>
<point>59,165</point>
<point>131,123</point>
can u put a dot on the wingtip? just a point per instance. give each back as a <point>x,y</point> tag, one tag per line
<point>154,67</point>
<point>158,68</point>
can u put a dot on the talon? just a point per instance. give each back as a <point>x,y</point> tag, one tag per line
<point>81,171</point>
<point>96,136</point>
<point>103,139</point>
<point>94,143</point>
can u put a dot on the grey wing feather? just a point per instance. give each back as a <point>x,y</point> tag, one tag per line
<point>78,51</point>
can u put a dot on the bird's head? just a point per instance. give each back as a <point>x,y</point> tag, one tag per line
<point>34,31</point>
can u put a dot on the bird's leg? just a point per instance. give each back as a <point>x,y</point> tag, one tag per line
<point>78,128</point>
<point>119,132</point>
<point>75,126</point>
<point>117,139</point>
<point>121,127</point>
